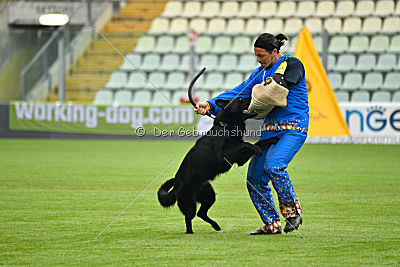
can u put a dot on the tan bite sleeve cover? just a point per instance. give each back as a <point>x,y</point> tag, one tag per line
<point>265,96</point>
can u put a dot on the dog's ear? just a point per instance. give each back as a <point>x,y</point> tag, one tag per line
<point>248,114</point>
<point>245,103</point>
<point>221,103</point>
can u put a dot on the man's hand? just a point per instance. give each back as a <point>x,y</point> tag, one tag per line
<point>202,108</point>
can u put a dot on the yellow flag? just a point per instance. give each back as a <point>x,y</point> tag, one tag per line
<point>325,116</point>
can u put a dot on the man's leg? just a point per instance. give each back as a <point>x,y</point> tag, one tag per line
<point>261,196</point>
<point>278,157</point>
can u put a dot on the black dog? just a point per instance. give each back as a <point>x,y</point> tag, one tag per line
<point>212,155</point>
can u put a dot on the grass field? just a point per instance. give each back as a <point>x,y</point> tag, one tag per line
<point>57,196</point>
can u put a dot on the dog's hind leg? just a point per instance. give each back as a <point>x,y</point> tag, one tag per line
<point>206,196</point>
<point>187,205</point>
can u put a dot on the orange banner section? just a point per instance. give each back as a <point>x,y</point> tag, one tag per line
<point>325,116</point>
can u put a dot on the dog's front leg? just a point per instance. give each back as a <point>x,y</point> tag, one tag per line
<point>244,153</point>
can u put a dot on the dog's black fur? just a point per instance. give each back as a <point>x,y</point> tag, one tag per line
<point>212,155</point>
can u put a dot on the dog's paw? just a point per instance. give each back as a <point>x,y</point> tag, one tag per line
<point>216,227</point>
<point>257,150</point>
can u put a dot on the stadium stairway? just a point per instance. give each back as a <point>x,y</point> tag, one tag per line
<point>93,69</point>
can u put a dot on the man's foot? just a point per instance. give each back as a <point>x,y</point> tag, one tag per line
<point>292,223</point>
<point>271,229</point>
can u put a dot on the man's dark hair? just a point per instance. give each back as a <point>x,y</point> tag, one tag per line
<point>269,41</point>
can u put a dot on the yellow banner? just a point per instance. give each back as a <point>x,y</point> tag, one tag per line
<point>325,116</point>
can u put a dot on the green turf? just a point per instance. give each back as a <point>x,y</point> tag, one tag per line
<point>56,196</point>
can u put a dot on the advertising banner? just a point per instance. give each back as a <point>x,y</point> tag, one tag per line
<point>373,122</point>
<point>124,120</point>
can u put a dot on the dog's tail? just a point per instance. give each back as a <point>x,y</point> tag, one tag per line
<point>166,198</point>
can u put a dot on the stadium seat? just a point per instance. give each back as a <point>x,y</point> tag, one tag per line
<point>142,98</point>
<point>274,25</point>
<point>333,25</point>
<point>123,97</point>
<point>210,9</point>
<point>338,44</point>
<point>286,9</point>
<point>241,45</point>
<point>202,95</point>
<point>232,80</point>
<point>395,44</point>
<point>384,8</point>
<point>178,26</point>
<point>379,44</point>
<point>317,43</point>
<point>325,9</point>
<point>305,9</point>
<point>191,9</point>
<point>247,9</point>
<point>130,62</point>
<point>314,25</point>
<point>222,44</point>
<point>352,81</point>
<point>254,27</point>
<point>181,45</point>
<point>267,9</point>
<point>365,62</point>
<point>159,26</point>
<point>235,27</point>
<point>380,96</point>
<point>161,98</point>
<point>344,8</point>
<point>331,62</point>
<point>397,10</point>
<point>156,81</point>
<point>396,97</point>
<point>204,44</point>
<point>360,96</point>
<point>293,26</point>
<point>386,62</point>
<point>227,62</point>
<point>335,79</point>
<point>351,25</point>
<point>216,26</point>
<point>175,81</point>
<point>247,63</point>
<point>150,62</point>
<point>392,81</point>
<point>199,25</point>
<point>213,81</point>
<point>209,61</point>
<point>342,96</point>
<point>359,44</point>
<point>172,9</point>
<point>391,25</point>
<point>177,95</point>
<point>365,8</point>
<point>229,9</point>
<point>372,25</point>
<point>103,97</point>
<point>185,63</point>
<point>165,44</point>
<point>117,80</point>
<point>145,44</point>
<point>345,63</point>
<point>136,81</point>
<point>372,81</point>
<point>169,62</point>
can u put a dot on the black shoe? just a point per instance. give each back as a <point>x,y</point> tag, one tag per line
<point>264,231</point>
<point>293,223</point>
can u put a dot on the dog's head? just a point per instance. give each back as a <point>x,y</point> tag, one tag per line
<point>233,111</point>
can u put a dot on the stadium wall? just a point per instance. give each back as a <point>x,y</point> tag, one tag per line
<point>376,123</point>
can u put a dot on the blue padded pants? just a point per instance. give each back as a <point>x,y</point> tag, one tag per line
<point>271,166</point>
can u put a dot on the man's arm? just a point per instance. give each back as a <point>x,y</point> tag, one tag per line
<point>242,90</point>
